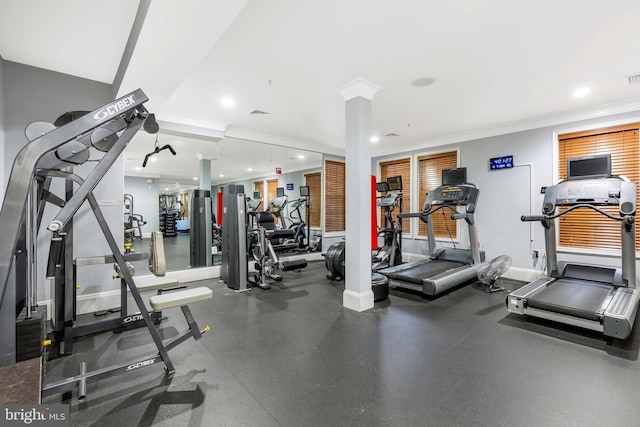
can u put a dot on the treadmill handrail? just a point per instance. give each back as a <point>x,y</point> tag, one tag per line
<point>427,213</point>
<point>627,218</point>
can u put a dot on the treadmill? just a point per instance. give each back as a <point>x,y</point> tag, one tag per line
<point>599,298</point>
<point>446,267</point>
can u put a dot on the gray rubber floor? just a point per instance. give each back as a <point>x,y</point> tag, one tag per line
<point>293,356</point>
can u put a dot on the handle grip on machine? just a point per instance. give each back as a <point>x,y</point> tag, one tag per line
<point>526,218</point>
<point>410,215</point>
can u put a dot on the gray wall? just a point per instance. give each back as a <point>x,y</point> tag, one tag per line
<point>505,195</point>
<point>145,200</point>
<point>33,94</point>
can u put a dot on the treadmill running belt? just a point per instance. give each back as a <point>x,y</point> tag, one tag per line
<point>576,298</point>
<point>420,271</point>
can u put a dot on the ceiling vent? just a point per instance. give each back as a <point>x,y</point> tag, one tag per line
<point>257,113</point>
<point>633,79</point>
<point>391,135</point>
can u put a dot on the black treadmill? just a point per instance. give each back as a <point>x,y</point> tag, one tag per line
<point>448,267</point>
<point>595,297</point>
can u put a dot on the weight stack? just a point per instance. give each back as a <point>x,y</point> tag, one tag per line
<point>31,333</point>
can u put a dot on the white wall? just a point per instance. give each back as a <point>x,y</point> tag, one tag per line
<point>145,200</point>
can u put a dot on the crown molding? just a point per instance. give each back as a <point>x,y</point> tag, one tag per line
<point>540,122</point>
<point>358,87</point>
<point>214,131</point>
<point>282,141</point>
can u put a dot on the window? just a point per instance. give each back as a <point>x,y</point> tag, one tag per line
<point>258,186</point>
<point>334,185</point>
<point>313,180</point>
<point>272,185</point>
<point>400,167</point>
<point>583,228</point>
<point>429,177</point>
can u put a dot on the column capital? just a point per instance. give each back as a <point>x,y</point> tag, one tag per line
<point>359,87</point>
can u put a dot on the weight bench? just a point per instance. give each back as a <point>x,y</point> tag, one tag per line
<point>182,299</point>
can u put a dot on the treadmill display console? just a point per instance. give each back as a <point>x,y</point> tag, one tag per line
<point>592,191</point>
<point>451,194</point>
<point>388,200</point>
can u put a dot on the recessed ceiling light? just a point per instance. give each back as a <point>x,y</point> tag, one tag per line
<point>374,139</point>
<point>166,189</point>
<point>221,175</point>
<point>249,169</point>
<point>138,168</point>
<point>177,185</point>
<point>301,156</point>
<point>422,82</point>
<point>153,159</point>
<point>195,179</point>
<point>581,92</point>
<point>227,102</point>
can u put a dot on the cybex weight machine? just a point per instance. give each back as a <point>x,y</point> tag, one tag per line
<point>50,153</point>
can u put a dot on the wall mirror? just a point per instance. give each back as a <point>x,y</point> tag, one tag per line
<point>158,196</point>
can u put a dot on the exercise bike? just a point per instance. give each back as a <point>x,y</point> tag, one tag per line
<point>267,262</point>
<point>390,253</point>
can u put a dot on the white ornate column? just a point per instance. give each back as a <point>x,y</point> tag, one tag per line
<point>358,94</point>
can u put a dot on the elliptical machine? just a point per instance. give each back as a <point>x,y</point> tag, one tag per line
<point>390,253</point>
<point>266,260</point>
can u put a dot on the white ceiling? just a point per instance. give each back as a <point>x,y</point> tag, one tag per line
<point>494,66</point>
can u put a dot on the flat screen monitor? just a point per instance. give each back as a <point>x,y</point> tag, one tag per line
<point>279,191</point>
<point>304,190</point>
<point>395,183</point>
<point>589,166</point>
<point>256,194</point>
<point>455,176</point>
<point>382,187</point>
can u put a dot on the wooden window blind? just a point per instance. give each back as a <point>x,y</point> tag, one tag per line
<point>313,180</point>
<point>259,187</point>
<point>334,200</point>
<point>400,167</point>
<point>272,191</point>
<point>429,177</point>
<point>584,228</point>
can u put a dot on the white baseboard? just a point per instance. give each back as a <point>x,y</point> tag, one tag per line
<point>523,274</point>
<point>357,301</point>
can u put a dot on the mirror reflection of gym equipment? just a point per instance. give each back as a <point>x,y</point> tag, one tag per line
<point>235,238</point>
